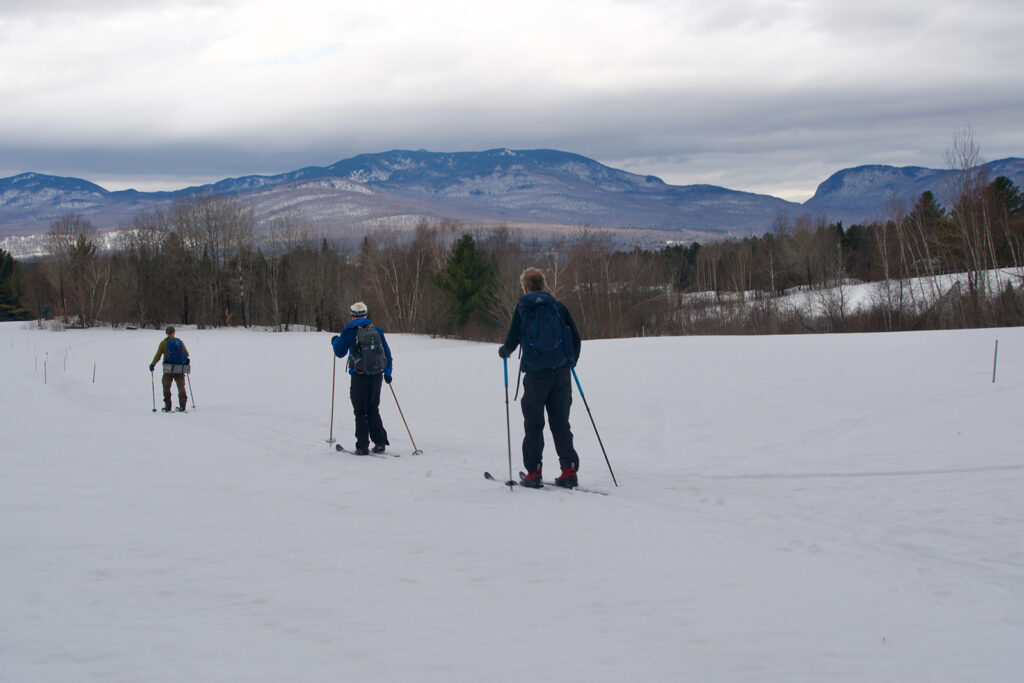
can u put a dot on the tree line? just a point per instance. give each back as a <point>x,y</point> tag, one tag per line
<point>201,263</point>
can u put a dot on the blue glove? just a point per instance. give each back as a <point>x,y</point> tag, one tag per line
<point>151,368</point>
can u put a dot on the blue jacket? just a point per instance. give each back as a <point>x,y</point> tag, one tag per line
<point>344,341</point>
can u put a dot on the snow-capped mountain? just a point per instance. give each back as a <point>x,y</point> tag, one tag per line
<point>544,188</point>
<point>518,187</point>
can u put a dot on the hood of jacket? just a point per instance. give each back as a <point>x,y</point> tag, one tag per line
<point>531,300</point>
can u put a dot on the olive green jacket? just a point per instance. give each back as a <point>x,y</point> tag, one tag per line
<point>161,351</point>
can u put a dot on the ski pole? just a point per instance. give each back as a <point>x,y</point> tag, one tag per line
<point>415,451</point>
<point>152,380</point>
<point>508,423</point>
<point>995,358</point>
<point>188,376</point>
<point>578,386</point>
<point>334,372</point>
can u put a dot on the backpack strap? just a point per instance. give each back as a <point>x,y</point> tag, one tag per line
<point>519,375</point>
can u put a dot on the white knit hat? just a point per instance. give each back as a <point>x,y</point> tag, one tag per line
<point>358,310</point>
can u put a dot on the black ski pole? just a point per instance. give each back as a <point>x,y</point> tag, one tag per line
<point>578,386</point>
<point>188,376</point>
<point>152,380</point>
<point>415,451</point>
<point>508,424</point>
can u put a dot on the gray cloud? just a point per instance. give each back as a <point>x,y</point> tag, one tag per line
<point>761,95</point>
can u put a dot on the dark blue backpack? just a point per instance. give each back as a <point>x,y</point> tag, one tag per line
<point>546,340</point>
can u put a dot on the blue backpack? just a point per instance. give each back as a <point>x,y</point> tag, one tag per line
<point>546,340</point>
<point>176,352</point>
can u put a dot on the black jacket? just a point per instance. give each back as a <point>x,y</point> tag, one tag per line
<point>512,338</point>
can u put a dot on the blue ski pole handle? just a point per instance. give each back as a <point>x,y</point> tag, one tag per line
<point>577,378</point>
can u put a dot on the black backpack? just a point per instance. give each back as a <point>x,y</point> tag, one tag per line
<point>545,339</point>
<point>368,357</point>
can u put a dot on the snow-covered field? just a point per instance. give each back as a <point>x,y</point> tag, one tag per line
<point>812,508</point>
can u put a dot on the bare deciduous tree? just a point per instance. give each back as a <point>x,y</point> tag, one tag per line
<point>77,270</point>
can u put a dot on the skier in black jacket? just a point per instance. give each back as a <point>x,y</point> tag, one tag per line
<point>551,346</point>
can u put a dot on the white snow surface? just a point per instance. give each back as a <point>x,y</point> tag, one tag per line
<point>800,508</point>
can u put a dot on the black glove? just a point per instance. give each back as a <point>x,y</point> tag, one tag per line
<point>188,361</point>
<point>151,368</point>
<point>503,352</point>
<point>387,378</point>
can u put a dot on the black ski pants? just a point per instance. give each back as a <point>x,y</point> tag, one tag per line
<point>365,394</point>
<point>550,391</point>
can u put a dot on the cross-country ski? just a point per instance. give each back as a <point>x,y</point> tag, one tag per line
<point>548,484</point>
<point>341,449</point>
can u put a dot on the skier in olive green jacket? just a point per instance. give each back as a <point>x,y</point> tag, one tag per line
<point>176,365</point>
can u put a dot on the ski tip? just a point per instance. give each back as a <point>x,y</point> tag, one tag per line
<point>338,447</point>
<point>488,475</point>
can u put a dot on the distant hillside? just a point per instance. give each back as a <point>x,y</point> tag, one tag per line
<point>861,194</point>
<point>539,187</point>
<point>31,202</point>
<point>546,189</point>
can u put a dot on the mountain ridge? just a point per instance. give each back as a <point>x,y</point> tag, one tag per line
<point>842,195</point>
<point>541,187</point>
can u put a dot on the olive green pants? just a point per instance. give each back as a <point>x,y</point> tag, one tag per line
<point>179,379</point>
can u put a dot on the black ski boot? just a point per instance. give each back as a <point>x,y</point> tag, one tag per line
<point>378,448</point>
<point>167,407</point>
<point>532,480</point>
<point>568,480</point>
<point>361,451</point>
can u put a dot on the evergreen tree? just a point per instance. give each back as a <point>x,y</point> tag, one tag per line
<point>1008,196</point>
<point>1008,218</point>
<point>465,280</point>
<point>12,287</point>
<point>682,260</point>
<point>929,210</point>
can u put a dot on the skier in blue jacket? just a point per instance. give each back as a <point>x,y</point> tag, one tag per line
<point>369,365</point>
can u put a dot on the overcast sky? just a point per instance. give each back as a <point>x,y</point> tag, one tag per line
<point>761,95</point>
